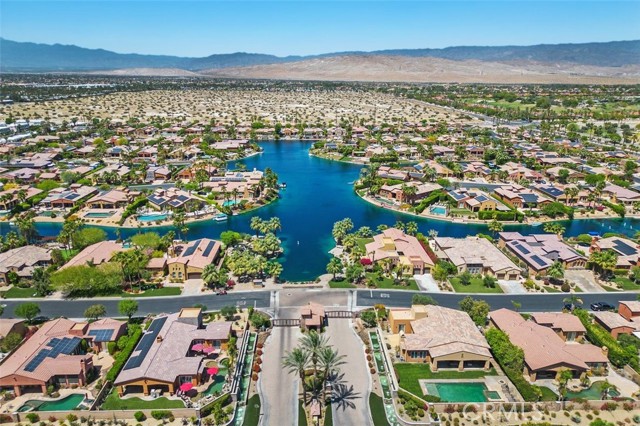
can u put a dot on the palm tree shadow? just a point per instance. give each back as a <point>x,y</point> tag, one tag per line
<point>342,395</point>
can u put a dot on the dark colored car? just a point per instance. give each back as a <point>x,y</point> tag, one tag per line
<point>602,306</point>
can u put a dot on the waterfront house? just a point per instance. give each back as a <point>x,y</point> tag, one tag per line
<point>476,255</point>
<point>95,254</point>
<point>112,199</point>
<point>540,251</point>
<point>187,261</point>
<point>619,195</point>
<point>402,250</point>
<point>22,261</point>
<point>61,198</point>
<point>628,251</point>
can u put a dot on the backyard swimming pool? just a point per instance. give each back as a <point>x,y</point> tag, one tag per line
<point>67,403</point>
<point>98,215</point>
<point>461,391</point>
<point>218,382</point>
<point>594,392</point>
<point>151,217</point>
<point>439,210</point>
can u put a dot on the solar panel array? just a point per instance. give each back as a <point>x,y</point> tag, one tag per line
<point>145,344</point>
<point>191,249</point>
<point>65,346</point>
<point>624,248</point>
<point>101,335</point>
<point>522,248</point>
<point>539,261</point>
<point>207,251</point>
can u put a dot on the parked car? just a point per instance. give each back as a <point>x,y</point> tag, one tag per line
<point>602,306</point>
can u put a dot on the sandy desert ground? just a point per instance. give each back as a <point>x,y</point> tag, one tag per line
<point>228,106</point>
<point>410,69</point>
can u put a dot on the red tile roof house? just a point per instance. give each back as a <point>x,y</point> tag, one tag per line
<point>54,355</point>
<point>165,359</point>
<point>567,326</point>
<point>630,310</point>
<point>402,249</point>
<point>545,353</point>
<point>312,317</point>
<point>461,347</point>
<point>615,323</point>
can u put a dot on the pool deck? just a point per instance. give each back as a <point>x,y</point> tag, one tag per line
<point>492,383</point>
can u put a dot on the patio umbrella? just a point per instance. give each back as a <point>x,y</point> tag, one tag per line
<point>212,371</point>
<point>197,347</point>
<point>186,387</point>
<point>208,349</point>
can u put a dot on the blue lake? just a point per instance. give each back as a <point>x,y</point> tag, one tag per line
<point>319,192</point>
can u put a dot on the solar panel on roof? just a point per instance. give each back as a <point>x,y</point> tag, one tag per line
<point>624,248</point>
<point>101,335</point>
<point>207,251</point>
<point>145,343</point>
<point>523,249</point>
<point>191,249</point>
<point>537,260</point>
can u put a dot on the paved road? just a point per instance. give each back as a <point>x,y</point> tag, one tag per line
<point>294,297</point>
<point>279,389</point>
<point>530,302</point>
<point>147,305</point>
<point>351,391</point>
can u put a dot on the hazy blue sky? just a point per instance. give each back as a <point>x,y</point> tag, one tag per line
<point>200,28</point>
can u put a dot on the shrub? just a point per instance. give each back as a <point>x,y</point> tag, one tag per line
<point>161,414</point>
<point>124,354</point>
<point>111,347</point>
<point>139,416</point>
<point>33,417</point>
<point>565,287</point>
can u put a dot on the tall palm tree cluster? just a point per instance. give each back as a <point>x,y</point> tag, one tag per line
<point>316,363</point>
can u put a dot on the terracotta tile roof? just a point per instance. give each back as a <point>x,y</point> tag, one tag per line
<point>462,335</point>
<point>542,347</point>
<point>96,254</point>
<point>561,321</point>
<point>612,320</point>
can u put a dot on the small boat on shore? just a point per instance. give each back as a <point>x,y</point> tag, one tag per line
<point>220,217</point>
<point>536,224</point>
<point>283,185</point>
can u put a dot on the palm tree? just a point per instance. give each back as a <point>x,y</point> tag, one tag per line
<point>495,227</point>
<point>274,225</point>
<point>334,267</point>
<point>256,224</point>
<point>297,362</point>
<point>329,361</point>
<point>571,192</point>
<point>607,388</point>
<point>573,301</point>
<point>409,192</point>
<point>313,342</point>
<point>212,276</point>
<point>412,228</point>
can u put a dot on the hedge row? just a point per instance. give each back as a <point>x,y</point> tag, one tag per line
<point>500,216</point>
<point>617,208</point>
<point>220,402</point>
<point>122,356</point>
<point>431,199</point>
<point>597,335</point>
<point>133,207</point>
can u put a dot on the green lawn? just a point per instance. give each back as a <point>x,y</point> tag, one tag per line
<point>626,284</point>
<point>252,414</point>
<point>113,402</point>
<point>551,289</point>
<point>68,254</point>
<point>464,212</point>
<point>387,283</point>
<point>363,241</point>
<point>19,293</point>
<point>410,373</point>
<point>378,414</point>
<point>328,416</point>
<point>163,291</point>
<point>302,416</point>
<point>476,286</point>
<point>548,394</point>
<point>340,284</point>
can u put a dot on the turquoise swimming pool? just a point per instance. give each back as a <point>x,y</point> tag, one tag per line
<point>98,215</point>
<point>439,210</point>
<point>67,403</point>
<point>218,382</point>
<point>229,203</point>
<point>461,391</point>
<point>152,217</point>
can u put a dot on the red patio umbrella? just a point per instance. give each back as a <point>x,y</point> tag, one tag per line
<point>208,349</point>
<point>197,347</point>
<point>212,371</point>
<point>186,387</point>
